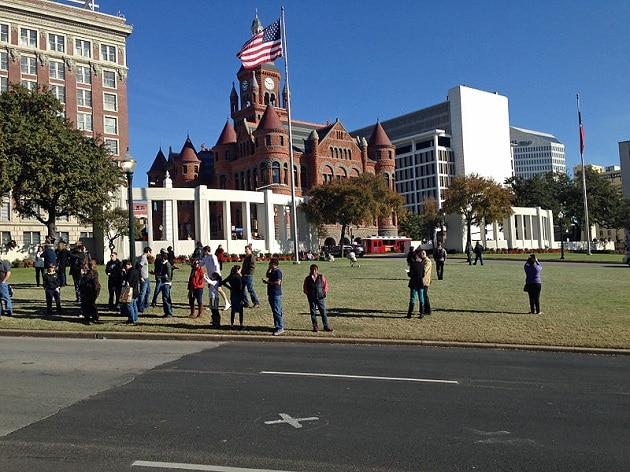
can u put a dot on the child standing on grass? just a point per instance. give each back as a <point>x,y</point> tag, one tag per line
<point>195,289</point>
<point>52,286</point>
<point>235,283</point>
<point>214,281</point>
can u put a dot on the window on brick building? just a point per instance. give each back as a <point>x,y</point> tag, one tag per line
<point>4,60</point>
<point>109,79</point>
<point>110,102</point>
<point>29,84</point>
<point>84,75</point>
<point>82,48</point>
<point>84,121</point>
<point>56,70</point>
<point>28,37</point>
<point>56,42</point>
<point>84,98</point>
<point>111,125</point>
<point>4,33</point>
<point>112,146</point>
<point>59,91</point>
<point>28,65</point>
<point>108,53</point>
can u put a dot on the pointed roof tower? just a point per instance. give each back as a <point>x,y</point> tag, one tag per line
<point>228,135</point>
<point>270,120</point>
<point>379,136</point>
<point>158,170</point>
<point>188,152</point>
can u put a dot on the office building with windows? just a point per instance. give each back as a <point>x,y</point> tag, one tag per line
<point>535,152</point>
<point>468,133</point>
<point>80,55</point>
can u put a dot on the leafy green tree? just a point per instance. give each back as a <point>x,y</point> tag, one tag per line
<point>432,217</point>
<point>115,224</point>
<point>478,199</point>
<point>606,204</point>
<point>549,191</point>
<point>558,192</point>
<point>357,202</point>
<point>412,226</point>
<point>53,169</point>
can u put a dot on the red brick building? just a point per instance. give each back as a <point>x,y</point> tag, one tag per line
<point>252,150</point>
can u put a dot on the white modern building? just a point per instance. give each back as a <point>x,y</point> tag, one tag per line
<point>468,133</point>
<point>535,152</point>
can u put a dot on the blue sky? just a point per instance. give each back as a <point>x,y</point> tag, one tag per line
<point>365,60</point>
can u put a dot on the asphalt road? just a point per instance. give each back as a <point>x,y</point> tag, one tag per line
<point>110,405</point>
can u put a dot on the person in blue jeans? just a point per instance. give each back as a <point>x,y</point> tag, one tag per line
<point>316,287</point>
<point>142,265</point>
<point>273,281</point>
<point>6,306</point>
<point>247,272</point>
<point>131,278</point>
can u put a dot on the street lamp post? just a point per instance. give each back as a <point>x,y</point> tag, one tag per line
<point>468,220</point>
<point>560,216</point>
<point>128,165</point>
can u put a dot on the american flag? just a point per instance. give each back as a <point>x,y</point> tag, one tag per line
<point>581,131</point>
<point>266,46</point>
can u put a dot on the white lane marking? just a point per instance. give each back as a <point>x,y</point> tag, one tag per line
<point>295,422</point>
<point>211,468</point>
<point>365,377</point>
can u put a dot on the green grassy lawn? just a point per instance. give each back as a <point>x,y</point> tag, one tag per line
<point>584,305</point>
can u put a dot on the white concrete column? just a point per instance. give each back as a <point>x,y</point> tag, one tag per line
<point>167,217</point>
<point>246,212</point>
<point>202,214</point>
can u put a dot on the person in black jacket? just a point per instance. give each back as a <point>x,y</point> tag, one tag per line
<point>234,282</point>
<point>316,287</point>
<point>131,278</point>
<point>89,289</point>
<point>62,261</point>
<point>52,284</point>
<point>415,273</point>
<point>113,270</point>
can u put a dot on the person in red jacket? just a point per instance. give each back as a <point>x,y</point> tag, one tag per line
<point>196,282</point>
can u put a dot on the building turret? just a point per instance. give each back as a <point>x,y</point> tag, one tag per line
<point>233,99</point>
<point>158,170</point>
<point>186,166</point>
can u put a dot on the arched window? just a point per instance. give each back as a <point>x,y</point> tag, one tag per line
<point>275,173</point>
<point>223,182</point>
<point>235,181</point>
<point>285,176</point>
<point>264,173</point>
<point>303,177</point>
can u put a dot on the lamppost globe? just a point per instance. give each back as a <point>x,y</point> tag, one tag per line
<point>469,221</point>
<point>560,216</point>
<point>128,166</point>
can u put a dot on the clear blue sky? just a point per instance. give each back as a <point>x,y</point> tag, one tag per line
<point>363,60</point>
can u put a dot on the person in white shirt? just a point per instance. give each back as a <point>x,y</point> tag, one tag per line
<point>210,263</point>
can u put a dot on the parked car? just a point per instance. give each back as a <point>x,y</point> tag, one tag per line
<point>358,250</point>
<point>626,258</point>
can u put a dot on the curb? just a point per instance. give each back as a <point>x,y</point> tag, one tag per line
<point>288,338</point>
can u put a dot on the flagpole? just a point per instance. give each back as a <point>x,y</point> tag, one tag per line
<point>296,254</point>
<point>586,223</point>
